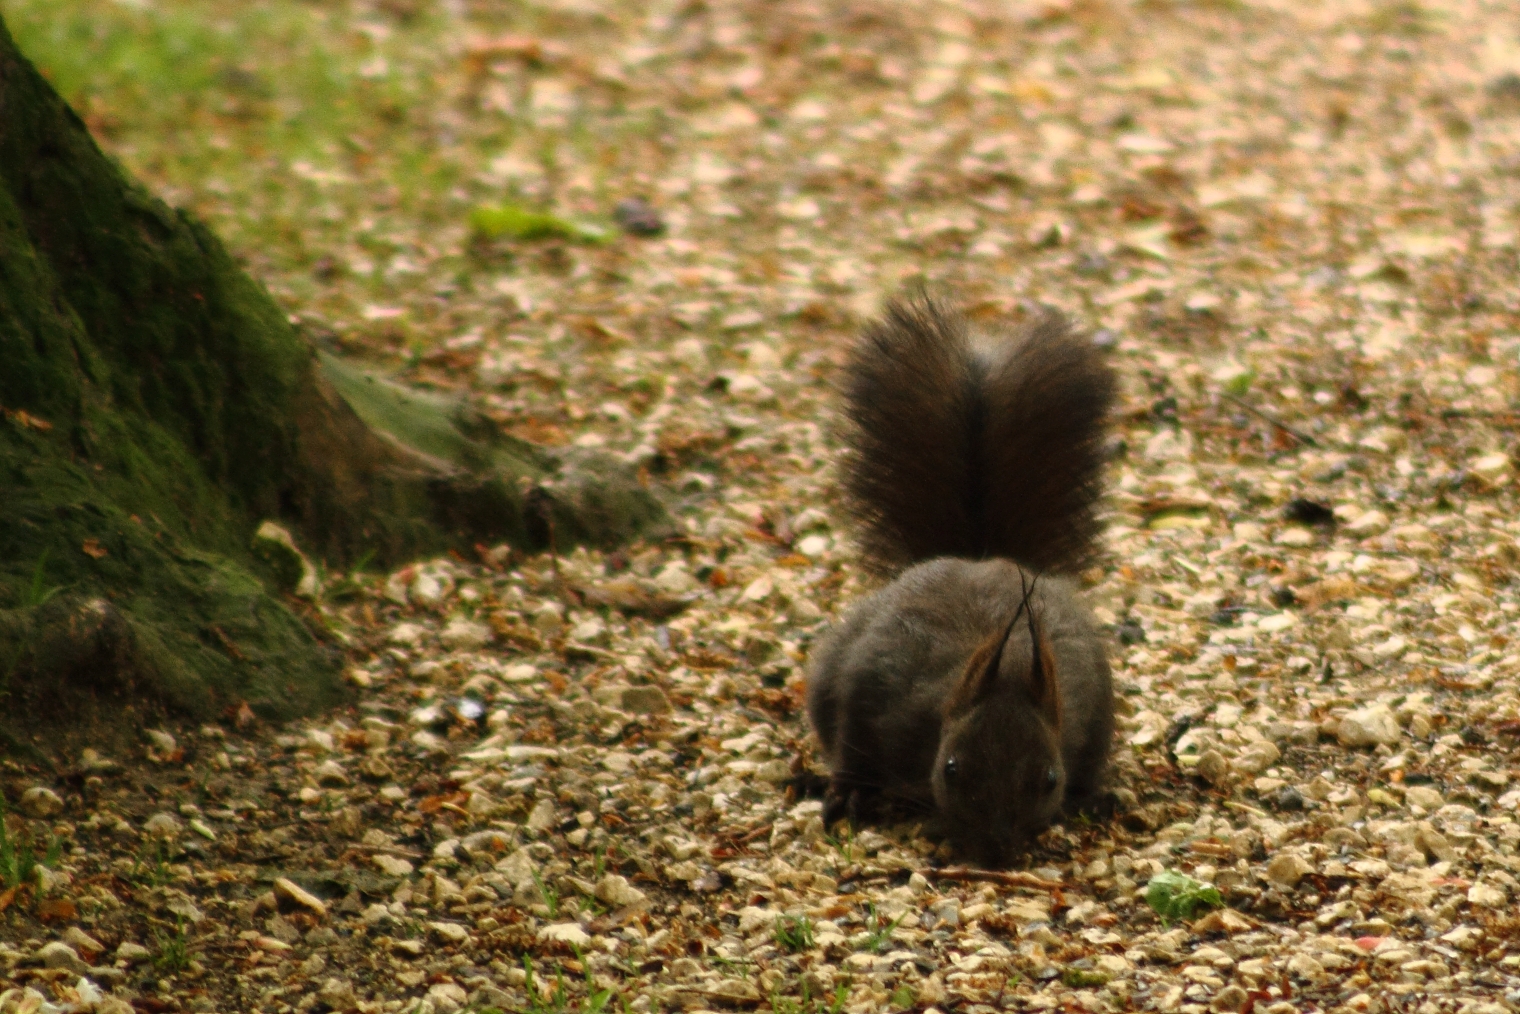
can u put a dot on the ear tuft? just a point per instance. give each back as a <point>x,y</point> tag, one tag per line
<point>1044,686</point>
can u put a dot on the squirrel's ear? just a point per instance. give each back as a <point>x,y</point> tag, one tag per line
<point>980,676</point>
<point>1043,686</point>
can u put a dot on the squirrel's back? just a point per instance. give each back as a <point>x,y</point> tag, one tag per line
<point>959,448</point>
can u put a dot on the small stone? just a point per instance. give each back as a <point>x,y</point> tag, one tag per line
<point>1424,797</point>
<point>338,994</point>
<point>638,218</point>
<point>290,891</point>
<point>447,997</point>
<point>541,818</point>
<point>1464,938</point>
<point>1257,757</point>
<point>1230,999</point>
<point>331,774</point>
<point>1434,844</point>
<point>392,866</point>
<point>406,634</point>
<point>132,953</point>
<point>1276,622</point>
<point>1493,468</point>
<point>518,868</point>
<point>565,933</point>
<point>40,801</point>
<point>60,955</point>
<point>1222,920</point>
<point>645,700</point>
<point>83,942</point>
<point>162,825</point>
<point>449,932</point>
<point>1214,768</point>
<point>1305,967</point>
<point>1370,523</point>
<point>1368,727</point>
<point>93,762</point>
<point>1287,869</point>
<point>616,892</point>
<point>161,744</point>
<point>466,634</point>
<point>1486,895</point>
<point>549,618</point>
<point>489,841</point>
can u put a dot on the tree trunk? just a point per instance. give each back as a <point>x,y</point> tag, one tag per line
<point>157,407</point>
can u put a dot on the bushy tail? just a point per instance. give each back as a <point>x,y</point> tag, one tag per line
<point>957,450</point>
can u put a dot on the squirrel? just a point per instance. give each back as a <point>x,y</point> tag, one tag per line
<point>974,685</point>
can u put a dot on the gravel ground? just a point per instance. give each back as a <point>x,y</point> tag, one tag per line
<point>579,783</point>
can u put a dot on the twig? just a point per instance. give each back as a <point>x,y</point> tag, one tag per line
<point>1010,879</point>
<point>1302,438</point>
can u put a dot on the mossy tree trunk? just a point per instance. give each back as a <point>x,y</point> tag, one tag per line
<point>157,406</point>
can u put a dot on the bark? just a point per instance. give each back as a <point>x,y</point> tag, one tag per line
<point>158,406</point>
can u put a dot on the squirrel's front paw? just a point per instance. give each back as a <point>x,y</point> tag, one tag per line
<point>845,800</point>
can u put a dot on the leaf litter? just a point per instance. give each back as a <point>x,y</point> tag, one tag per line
<point>570,783</point>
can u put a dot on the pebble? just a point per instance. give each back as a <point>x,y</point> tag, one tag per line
<point>644,700</point>
<point>393,866</point>
<point>93,762</point>
<point>1424,797</point>
<point>60,955</point>
<point>297,895</point>
<point>1287,869</point>
<point>1368,727</point>
<point>331,774</point>
<point>83,942</point>
<point>1214,768</point>
<point>338,994</point>
<point>163,825</point>
<point>465,634</point>
<point>132,953</point>
<point>449,932</point>
<point>542,816</point>
<point>564,933</point>
<point>1370,523</point>
<point>41,802</point>
<point>616,892</point>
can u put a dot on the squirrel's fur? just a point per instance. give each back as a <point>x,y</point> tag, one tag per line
<point>974,684</point>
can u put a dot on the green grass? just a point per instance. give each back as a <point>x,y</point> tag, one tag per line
<point>19,858</point>
<point>794,933</point>
<point>150,867</point>
<point>172,954</point>
<point>271,120</point>
<point>879,935</point>
<point>548,893</point>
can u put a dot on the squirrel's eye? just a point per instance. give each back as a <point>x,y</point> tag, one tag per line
<point>1052,776</point>
<point>952,768</point>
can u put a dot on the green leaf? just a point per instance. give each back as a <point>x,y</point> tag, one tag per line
<point>1174,895</point>
<point>508,221</point>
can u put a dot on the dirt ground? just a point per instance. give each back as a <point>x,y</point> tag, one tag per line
<point>568,783</point>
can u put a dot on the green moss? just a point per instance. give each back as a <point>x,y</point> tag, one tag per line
<point>146,389</point>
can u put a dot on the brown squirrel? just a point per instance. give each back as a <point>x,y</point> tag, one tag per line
<point>974,685</point>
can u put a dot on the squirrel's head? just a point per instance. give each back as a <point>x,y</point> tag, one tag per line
<point>998,778</point>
